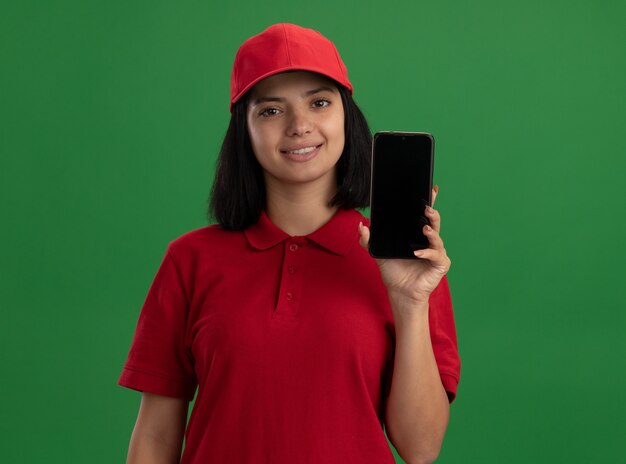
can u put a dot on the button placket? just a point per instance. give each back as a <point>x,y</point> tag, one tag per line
<point>291,279</point>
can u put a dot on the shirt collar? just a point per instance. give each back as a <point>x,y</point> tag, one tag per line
<point>337,236</point>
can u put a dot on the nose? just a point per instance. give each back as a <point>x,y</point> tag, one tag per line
<point>298,124</point>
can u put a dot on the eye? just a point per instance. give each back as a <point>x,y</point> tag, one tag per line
<point>321,103</point>
<point>268,112</point>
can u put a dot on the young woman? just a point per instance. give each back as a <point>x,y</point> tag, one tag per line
<point>301,346</point>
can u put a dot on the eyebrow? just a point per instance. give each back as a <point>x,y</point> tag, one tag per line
<point>308,93</point>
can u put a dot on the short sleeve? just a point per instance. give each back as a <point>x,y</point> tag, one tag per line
<point>443,337</point>
<point>160,361</point>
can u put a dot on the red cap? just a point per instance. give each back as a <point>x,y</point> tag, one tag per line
<point>284,47</point>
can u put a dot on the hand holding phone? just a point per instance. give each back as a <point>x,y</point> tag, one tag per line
<point>401,188</point>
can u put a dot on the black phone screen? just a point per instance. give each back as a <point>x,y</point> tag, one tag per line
<point>402,170</point>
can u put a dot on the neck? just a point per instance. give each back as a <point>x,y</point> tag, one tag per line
<point>300,209</point>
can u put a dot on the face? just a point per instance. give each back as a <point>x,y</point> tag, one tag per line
<point>296,126</point>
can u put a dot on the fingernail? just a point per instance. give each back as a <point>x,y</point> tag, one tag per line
<point>428,229</point>
<point>429,209</point>
<point>418,253</point>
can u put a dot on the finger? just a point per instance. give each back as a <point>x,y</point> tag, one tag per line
<point>364,235</point>
<point>434,195</point>
<point>439,259</point>
<point>433,238</point>
<point>434,218</point>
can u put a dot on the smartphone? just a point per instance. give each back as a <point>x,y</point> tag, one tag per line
<point>401,187</point>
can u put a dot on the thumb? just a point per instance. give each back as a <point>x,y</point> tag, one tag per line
<point>364,235</point>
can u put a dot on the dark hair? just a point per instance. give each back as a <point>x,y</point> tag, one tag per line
<point>238,194</point>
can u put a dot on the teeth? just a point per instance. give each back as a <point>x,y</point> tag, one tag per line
<point>302,151</point>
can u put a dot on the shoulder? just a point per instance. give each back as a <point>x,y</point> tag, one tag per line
<point>364,219</point>
<point>357,216</point>
<point>207,240</point>
<point>200,235</point>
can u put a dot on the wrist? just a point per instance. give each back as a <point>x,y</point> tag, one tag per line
<point>413,299</point>
<point>407,308</point>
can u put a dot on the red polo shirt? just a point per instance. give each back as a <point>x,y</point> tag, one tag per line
<point>289,341</point>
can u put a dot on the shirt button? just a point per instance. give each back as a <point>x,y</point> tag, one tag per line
<point>293,247</point>
<point>289,296</point>
<point>291,270</point>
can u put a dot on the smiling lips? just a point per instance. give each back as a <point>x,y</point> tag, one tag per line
<point>301,153</point>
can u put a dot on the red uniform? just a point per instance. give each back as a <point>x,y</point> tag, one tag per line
<point>289,341</point>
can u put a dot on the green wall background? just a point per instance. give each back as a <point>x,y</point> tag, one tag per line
<point>111,117</point>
